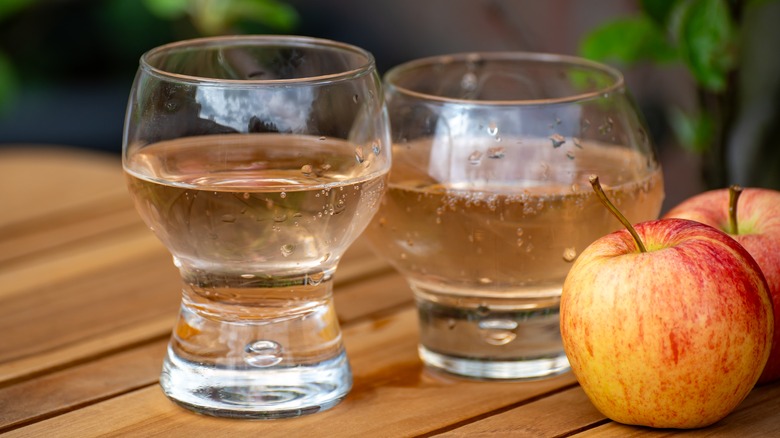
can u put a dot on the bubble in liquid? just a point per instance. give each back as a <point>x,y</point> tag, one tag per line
<point>485,280</point>
<point>498,331</point>
<point>176,262</point>
<point>280,217</point>
<point>492,129</point>
<point>475,157</point>
<point>520,232</point>
<point>247,276</point>
<point>496,153</point>
<point>246,195</point>
<point>451,323</point>
<point>307,169</point>
<point>322,137</point>
<point>283,195</point>
<point>557,140</point>
<point>287,249</point>
<point>263,353</point>
<point>228,218</point>
<point>569,254</point>
<point>359,156</point>
<point>483,310</point>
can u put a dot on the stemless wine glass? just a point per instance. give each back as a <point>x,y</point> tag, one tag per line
<point>489,201</point>
<point>256,160</point>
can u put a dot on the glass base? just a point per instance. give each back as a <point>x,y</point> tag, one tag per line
<point>256,394</point>
<point>482,369</point>
<point>491,337</point>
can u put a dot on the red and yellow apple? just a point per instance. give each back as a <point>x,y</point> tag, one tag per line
<point>754,221</point>
<point>666,324</point>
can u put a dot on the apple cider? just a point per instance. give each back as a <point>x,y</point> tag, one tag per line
<point>487,238</point>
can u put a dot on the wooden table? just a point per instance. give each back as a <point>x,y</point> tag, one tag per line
<point>89,296</point>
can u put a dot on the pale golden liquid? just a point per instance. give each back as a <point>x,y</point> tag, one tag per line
<point>253,204</point>
<point>514,222</point>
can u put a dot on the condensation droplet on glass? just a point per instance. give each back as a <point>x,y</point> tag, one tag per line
<point>280,217</point>
<point>403,256</point>
<point>263,353</point>
<point>469,81</point>
<point>355,98</point>
<point>322,137</point>
<point>496,153</point>
<point>376,148</point>
<point>569,254</point>
<point>451,323</point>
<point>176,262</point>
<point>228,218</point>
<point>359,157</point>
<point>570,155</point>
<point>475,157</point>
<point>519,242</point>
<point>557,140</point>
<point>315,278</point>
<point>584,125</point>
<point>577,142</point>
<point>307,169</point>
<point>483,310</point>
<point>283,195</point>
<point>287,249</point>
<point>247,276</point>
<point>485,280</point>
<point>246,195</point>
<point>520,232</point>
<point>492,129</point>
<point>557,121</point>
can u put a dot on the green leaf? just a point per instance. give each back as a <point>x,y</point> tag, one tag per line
<point>628,41</point>
<point>706,37</point>
<point>694,132</point>
<point>218,16</point>
<point>8,82</point>
<point>277,15</point>
<point>658,10</point>
<point>9,7</point>
<point>167,9</point>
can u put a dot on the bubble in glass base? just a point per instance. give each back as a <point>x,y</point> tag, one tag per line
<point>268,393</point>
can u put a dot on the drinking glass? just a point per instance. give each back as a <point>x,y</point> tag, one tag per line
<point>256,160</point>
<point>489,202</point>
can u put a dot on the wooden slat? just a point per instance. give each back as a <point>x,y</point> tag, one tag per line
<point>757,416</point>
<point>36,182</point>
<point>393,396</point>
<point>554,415</point>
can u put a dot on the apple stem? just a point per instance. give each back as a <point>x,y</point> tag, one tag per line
<point>734,192</point>
<point>594,181</point>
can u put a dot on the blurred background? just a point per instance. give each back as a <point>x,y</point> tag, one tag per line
<point>705,73</point>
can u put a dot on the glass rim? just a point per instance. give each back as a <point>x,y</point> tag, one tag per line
<point>617,83</point>
<point>291,41</point>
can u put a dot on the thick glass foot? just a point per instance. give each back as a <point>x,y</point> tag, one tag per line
<point>275,392</point>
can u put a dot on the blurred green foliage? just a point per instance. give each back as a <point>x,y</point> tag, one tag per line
<point>43,41</point>
<point>703,35</point>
